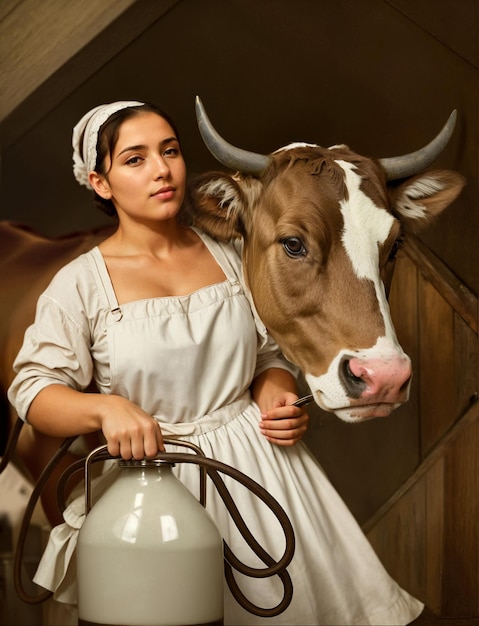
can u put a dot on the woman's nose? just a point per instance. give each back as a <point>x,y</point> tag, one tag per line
<point>161,168</point>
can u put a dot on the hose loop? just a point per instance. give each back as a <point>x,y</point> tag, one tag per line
<point>208,468</point>
<point>27,517</point>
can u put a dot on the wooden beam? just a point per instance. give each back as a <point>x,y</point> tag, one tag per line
<point>39,37</point>
<point>51,47</point>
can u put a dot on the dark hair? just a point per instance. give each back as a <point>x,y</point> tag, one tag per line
<point>108,136</point>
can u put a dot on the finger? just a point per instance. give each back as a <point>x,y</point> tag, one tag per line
<point>154,441</point>
<point>113,448</point>
<point>159,439</point>
<point>283,411</point>
<point>288,424</point>
<point>284,442</point>
<point>283,434</point>
<point>137,448</point>
<point>284,425</point>
<point>125,449</point>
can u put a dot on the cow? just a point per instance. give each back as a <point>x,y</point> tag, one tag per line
<point>28,263</point>
<point>321,229</point>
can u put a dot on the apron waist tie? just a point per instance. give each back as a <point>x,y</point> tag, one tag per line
<point>208,422</point>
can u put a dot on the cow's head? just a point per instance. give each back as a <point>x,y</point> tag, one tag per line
<point>321,228</point>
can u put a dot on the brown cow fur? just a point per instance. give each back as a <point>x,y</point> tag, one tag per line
<point>28,263</point>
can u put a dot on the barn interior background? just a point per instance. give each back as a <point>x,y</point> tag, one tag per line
<point>379,75</point>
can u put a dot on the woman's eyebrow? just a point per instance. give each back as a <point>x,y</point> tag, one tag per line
<point>129,148</point>
<point>142,146</point>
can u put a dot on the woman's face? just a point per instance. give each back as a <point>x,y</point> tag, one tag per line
<point>146,173</point>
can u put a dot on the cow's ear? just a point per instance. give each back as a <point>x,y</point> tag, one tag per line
<point>425,196</point>
<point>220,204</point>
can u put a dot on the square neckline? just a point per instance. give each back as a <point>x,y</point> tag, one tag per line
<point>213,246</point>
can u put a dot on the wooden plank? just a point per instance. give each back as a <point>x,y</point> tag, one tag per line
<point>7,6</point>
<point>461,545</point>
<point>461,299</point>
<point>470,417</point>
<point>440,538</point>
<point>436,366</point>
<point>435,535</point>
<point>466,364</point>
<point>404,305</point>
<point>39,37</point>
<point>34,95</point>
<point>400,541</point>
<point>428,537</point>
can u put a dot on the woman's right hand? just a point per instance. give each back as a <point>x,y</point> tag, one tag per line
<point>60,411</point>
<point>128,430</point>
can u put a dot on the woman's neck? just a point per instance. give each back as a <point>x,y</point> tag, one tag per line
<point>138,238</point>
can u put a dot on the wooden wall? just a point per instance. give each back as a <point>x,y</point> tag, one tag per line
<point>432,520</point>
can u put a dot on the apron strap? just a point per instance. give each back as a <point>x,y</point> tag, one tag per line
<point>104,282</point>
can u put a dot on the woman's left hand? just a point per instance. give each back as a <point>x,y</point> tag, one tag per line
<point>284,424</point>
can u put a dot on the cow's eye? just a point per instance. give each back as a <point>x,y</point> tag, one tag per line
<point>395,249</point>
<point>294,247</point>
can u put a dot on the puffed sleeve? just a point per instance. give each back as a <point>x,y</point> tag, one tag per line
<point>56,347</point>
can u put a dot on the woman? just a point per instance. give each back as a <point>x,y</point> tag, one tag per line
<point>148,314</point>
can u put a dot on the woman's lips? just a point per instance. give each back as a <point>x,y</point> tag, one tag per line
<point>165,193</point>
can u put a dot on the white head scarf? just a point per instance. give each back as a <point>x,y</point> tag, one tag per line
<point>84,162</point>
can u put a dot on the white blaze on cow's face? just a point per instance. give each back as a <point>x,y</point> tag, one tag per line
<point>373,381</point>
<point>366,228</point>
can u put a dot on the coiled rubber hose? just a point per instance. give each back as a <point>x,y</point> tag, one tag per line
<point>208,467</point>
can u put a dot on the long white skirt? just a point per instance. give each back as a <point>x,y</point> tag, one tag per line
<point>336,575</point>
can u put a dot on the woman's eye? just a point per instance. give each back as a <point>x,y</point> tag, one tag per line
<point>133,160</point>
<point>171,152</point>
<point>294,247</point>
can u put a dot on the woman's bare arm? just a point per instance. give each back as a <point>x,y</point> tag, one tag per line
<point>60,411</point>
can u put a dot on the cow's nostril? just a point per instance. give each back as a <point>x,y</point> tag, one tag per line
<point>352,384</point>
<point>405,384</point>
<point>349,374</point>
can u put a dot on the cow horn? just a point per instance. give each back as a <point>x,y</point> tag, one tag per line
<point>234,158</point>
<point>414,162</point>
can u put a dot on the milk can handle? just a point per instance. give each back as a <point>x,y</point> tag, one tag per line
<point>101,454</point>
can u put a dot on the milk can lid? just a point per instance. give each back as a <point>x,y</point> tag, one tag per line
<point>145,463</point>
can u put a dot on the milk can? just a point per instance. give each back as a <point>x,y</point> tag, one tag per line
<point>149,554</point>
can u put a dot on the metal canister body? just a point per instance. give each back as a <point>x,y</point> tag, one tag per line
<point>149,554</point>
